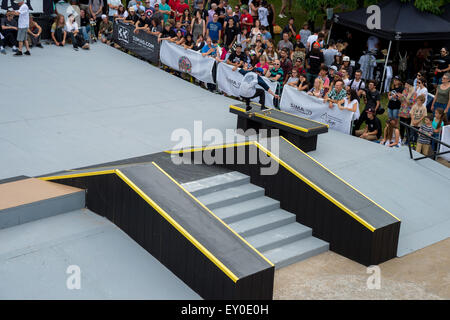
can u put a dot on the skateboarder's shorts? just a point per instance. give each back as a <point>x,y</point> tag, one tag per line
<point>22,34</point>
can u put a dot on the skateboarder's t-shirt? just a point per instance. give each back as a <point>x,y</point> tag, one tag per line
<point>235,58</point>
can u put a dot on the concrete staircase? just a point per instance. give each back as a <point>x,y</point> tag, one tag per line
<point>257,218</point>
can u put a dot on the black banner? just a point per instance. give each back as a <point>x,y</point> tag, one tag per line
<point>143,44</point>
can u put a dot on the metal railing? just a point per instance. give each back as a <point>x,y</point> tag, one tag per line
<point>433,154</point>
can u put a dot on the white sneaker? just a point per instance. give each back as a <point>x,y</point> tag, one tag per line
<point>281,15</point>
<point>14,49</point>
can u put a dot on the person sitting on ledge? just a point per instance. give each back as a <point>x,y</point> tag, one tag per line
<point>34,34</point>
<point>105,30</point>
<point>58,31</point>
<point>372,131</point>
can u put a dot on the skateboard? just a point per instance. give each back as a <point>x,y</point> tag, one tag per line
<point>251,112</point>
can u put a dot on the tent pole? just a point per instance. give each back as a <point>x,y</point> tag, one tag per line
<point>329,33</point>
<point>385,66</point>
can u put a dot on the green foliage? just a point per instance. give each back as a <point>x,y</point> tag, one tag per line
<point>315,8</point>
<point>428,5</point>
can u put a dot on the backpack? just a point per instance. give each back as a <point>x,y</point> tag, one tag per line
<point>359,85</point>
<point>248,85</point>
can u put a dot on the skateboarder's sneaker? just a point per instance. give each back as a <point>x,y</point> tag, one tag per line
<point>18,53</point>
<point>27,53</point>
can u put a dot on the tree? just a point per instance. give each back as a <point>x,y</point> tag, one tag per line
<point>316,8</point>
<point>428,5</point>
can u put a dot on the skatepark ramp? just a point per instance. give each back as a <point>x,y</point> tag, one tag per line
<point>172,225</point>
<point>353,225</point>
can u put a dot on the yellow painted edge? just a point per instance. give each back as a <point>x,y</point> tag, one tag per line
<point>223,146</point>
<point>180,229</point>
<point>77,175</point>
<point>317,188</point>
<point>206,208</point>
<point>273,120</point>
<point>348,184</point>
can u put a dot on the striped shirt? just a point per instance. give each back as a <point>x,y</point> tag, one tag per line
<point>429,131</point>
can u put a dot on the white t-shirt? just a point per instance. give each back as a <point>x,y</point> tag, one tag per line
<point>262,15</point>
<point>355,84</point>
<point>350,105</point>
<point>153,2</point>
<point>24,17</point>
<point>423,91</point>
<point>112,12</point>
<point>311,39</point>
<point>71,28</point>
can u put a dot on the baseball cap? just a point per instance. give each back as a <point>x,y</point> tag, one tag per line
<point>259,69</point>
<point>103,16</point>
<point>370,110</point>
<point>397,77</point>
<point>18,1</point>
<point>346,58</point>
<point>131,9</point>
<point>298,37</point>
<point>239,45</point>
<point>334,68</point>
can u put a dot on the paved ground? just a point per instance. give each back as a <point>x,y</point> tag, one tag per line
<point>424,274</point>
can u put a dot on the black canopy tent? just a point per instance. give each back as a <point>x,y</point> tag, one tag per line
<point>399,22</point>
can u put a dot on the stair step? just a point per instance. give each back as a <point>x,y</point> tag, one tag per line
<point>280,236</point>
<point>246,209</point>
<point>216,183</point>
<point>262,222</point>
<point>295,251</point>
<point>231,195</point>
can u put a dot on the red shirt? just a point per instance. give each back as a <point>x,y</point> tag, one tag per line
<point>247,18</point>
<point>180,9</point>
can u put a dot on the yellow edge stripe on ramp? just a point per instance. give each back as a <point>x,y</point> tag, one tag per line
<point>287,124</point>
<point>348,184</point>
<point>206,208</point>
<point>317,188</point>
<point>155,206</point>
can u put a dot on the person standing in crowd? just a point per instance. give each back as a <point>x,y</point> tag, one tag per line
<point>423,141</point>
<point>165,9</point>
<point>394,98</point>
<point>246,19</point>
<point>317,37</point>
<point>95,10</point>
<point>443,66</point>
<point>347,66</point>
<point>302,84</point>
<point>391,136</point>
<point>305,33</point>
<point>285,43</point>
<point>198,26</point>
<point>270,54</point>
<point>439,121</point>
<point>132,17</point>
<point>142,23</point>
<point>209,49</point>
<point>421,89</point>
<point>357,83</point>
<point>372,131</point>
<point>351,103</point>
<point>284,4</point>
<point>285,62</point>
<point>58,32</point>
<point>105,30</point>
<point>372,99</point>
<point>23,24</point>
<point>230,34</point>
<point>276,74</point>
<point>167,33</point>
<point>213,29</point>
<point>9,29</point>
<point>314,60</point>
<point>155,28</point>
<point>243,39</point>
<point>442,97</point>
<point>406,103</point>
<point>336,95</point>
<point>418,113</point>
<point>34,34</point>
<point>317,90</point>
<point>113,6</point>
<point>263,14</point>
<point>255,32</point>
<point>237,58</point>
<point>329,53</point>
<point>290,29</point>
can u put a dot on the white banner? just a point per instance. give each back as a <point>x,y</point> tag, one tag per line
<point>188,61</point>
<point>446,139</point>
<point>229,81</point>
<point>306,106</point>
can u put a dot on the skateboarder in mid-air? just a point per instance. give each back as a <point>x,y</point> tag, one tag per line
<point>248,89</point>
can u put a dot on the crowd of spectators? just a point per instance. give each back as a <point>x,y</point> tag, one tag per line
<point>243,37</point>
